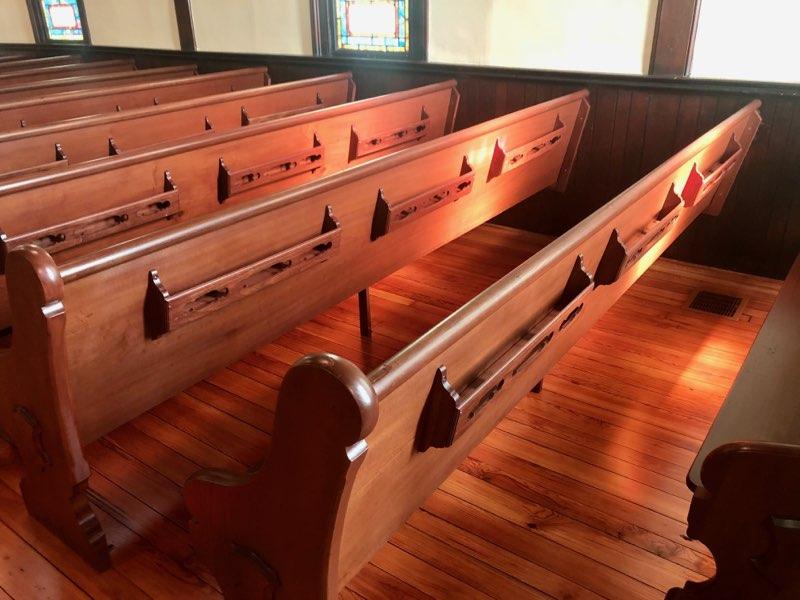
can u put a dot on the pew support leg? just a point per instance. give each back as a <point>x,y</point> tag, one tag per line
<point>37,411</point>
<point>275,532</point>
<point>364,313</point>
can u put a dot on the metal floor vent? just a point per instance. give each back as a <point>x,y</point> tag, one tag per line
<point>717,304</point>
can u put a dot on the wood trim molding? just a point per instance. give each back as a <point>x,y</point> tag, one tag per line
<point>183,15</point>
<point>673,39</point>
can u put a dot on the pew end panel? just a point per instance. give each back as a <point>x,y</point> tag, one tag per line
<point>328,402</point>
<point>746,513</point>
<point>38,411</point>
<point>746,503</point>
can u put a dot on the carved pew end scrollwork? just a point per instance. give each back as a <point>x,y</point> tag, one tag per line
<point>619,255</point>
<point>364,145</point>
<point>236,181</point>
<point>163,206</point>
<point>448,413</point>
<point>276,532</point>
<point>389,217</point>
<point>165,311</point>
<point>504,161</point>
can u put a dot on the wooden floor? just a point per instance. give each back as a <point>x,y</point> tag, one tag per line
<point>579,493</point>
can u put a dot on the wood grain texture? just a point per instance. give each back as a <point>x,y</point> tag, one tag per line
<point>68,105</point>
<point>88,138</point>
<point>545,507</point>
<point>60,85</point>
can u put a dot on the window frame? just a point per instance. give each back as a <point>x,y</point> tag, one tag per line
<point>41,33</point>
<point>323,33</point>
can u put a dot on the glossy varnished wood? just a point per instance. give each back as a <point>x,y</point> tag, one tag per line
<point>69,105</point>
<point>551,505</point>
<point>61,85</point>
<point>88,138</point>
<point>42,73</point>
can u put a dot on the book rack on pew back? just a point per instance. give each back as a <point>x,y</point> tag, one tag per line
<point>53,146</point>
<point>746,504</point>
<point>82,209</point>
<point>150,298</point>
<point>69,105</point>
<point>353,455</point>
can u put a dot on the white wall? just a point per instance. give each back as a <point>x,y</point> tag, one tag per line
<point>15,23</point>
<point>133,23</point>
<point>613,36</point>
<point>737,40</point>
<point>258,26</point>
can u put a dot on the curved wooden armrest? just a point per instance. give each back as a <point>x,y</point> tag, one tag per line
<point>389,217</point>
<point>448,413</point>
<point>165,311</point>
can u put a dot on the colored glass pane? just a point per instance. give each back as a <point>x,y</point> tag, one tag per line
<point>63,20</point>
<point>372,25</point>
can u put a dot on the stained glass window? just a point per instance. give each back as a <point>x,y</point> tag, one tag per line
<point>372,25</point>
<point>63,20</point>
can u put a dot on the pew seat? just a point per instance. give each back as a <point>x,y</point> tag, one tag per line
<point>69,105</point>
<point>746,504</point>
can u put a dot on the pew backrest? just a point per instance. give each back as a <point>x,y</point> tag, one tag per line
<point>68,70</point>
<point>443,393</point>
<point>69,105</point>
<point>8,63</point>
<point>84,208</point>
<point>53,147</point>
<point>50,87</point>
<point>297,252</point>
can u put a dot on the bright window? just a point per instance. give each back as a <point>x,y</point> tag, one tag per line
<point>372,25</point>
<point>62,20</point>
<point>742,40</point>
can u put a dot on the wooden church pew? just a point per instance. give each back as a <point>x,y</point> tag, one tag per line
<point>10,58</point>
<point>8,64</point>
<point>70,105</point>
<point>353,455</point>
<point>68,70</point>
<point>51,87</point>
<point>103,338</point>
<point>85,208</point>
<point>746,504</point>
<point>37,150</point>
